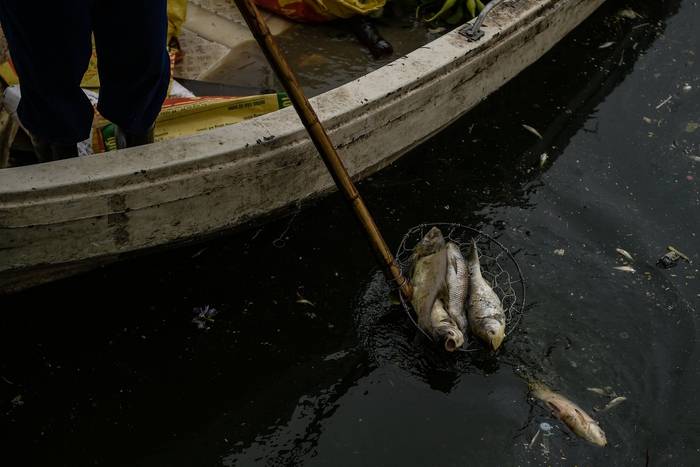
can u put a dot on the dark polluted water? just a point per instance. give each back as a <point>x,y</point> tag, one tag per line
<point>108,369</point>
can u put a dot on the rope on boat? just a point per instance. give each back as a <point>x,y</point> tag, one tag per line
<point>498,266</point>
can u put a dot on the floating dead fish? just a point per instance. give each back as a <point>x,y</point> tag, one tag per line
<point>543,159</point>
<point>571,414</point>
<point>695,158</point>
<point>624,253</point>
<point>532,130</point>
<point>597,391</point>
<point>613,403</point>
<point>606,45</point>
<point>303,301</point>
<point>625,268</point>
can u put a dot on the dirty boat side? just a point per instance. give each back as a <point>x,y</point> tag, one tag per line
<point>68,216</point>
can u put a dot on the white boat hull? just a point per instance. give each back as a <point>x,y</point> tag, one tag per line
<point>63,217</point>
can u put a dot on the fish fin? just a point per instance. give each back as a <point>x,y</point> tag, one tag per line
<point>554,406</point>
<point>453,263</point>
<point>394,297</point>
<point>473,255</point>
<point>580,416</point>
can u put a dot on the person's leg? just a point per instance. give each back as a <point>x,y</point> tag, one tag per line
<point>50,47</point>
<point>133,63</point>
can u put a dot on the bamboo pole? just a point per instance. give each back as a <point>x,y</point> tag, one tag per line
<point>318,135</point>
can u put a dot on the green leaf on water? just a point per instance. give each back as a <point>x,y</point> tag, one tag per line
<point>691,127</point>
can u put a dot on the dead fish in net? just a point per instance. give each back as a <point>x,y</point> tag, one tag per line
<point>484,310</point>
<point>571,414</point>
<point>444,329</point>
<point>426,277</point>
<point>457,279</point>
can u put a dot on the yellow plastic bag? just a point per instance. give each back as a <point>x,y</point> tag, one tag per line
<point>321,10</point>
<point>177,11</point>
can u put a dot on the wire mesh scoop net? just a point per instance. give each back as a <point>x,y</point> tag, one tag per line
<point>498,267</point>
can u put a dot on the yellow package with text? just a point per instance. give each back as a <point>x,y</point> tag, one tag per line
<point>192,115</point>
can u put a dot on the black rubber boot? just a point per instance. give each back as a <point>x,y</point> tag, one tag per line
<point>127,139</point>
<point>46,151</point>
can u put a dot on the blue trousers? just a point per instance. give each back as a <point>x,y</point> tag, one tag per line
<point>50,45</point>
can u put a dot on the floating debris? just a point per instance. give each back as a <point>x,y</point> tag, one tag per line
<point>624,335</point>
<point>629,14</point>
<point>679,254</point>
<point>606,45</point>
<point>559,252</point>
<point>204,315</point>
<point>546,427</point>
<point>199,252</point>
<point>669,260</point>
<point>664,102</point>
<point>543,159</point>
<point>532,130</point>
<point>691,127</point>
<point>533,439</point>
<point>597,391</point>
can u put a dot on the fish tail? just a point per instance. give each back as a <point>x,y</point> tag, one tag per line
<point>473,255</point>
<point>537,388</point>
